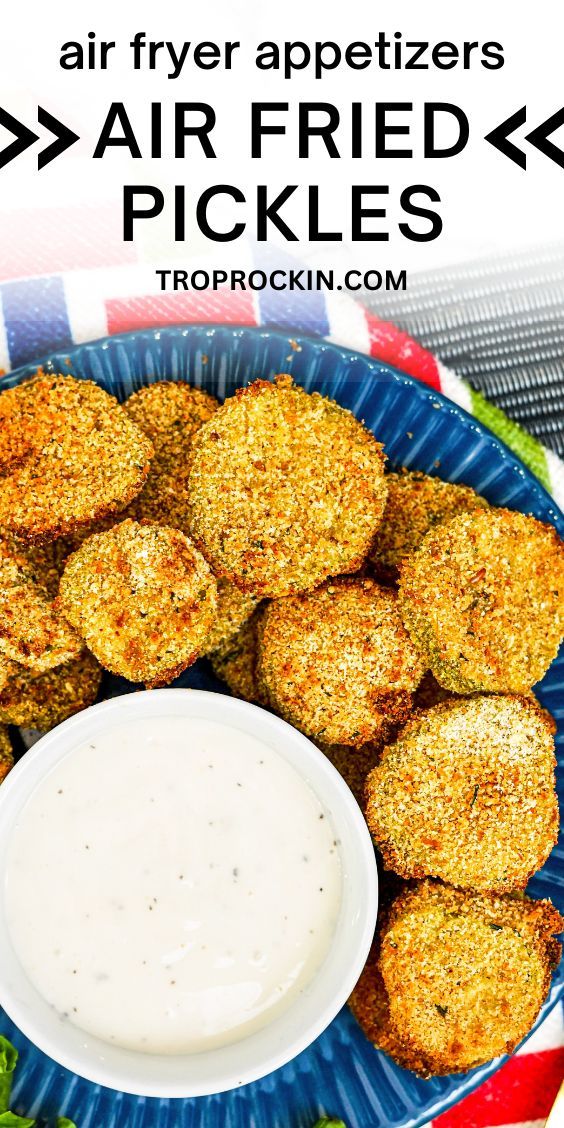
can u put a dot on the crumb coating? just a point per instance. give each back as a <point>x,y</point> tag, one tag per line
<point>8,668</point>
<point>143,599</point>
<point>287,488</point>
<point>43,702</point>
<point>170,414</point>
<point>354,764</point>
<point>337,663</point>
<point>32,631</point>
<point>466,974</point>
<point>68,454</point>
<point>483,599</point>
<point>467,794</point>
<point>429,693</point>
<point>236,662</point>
<point>6,753</point>
<point>371,1007</point>
<point>416,502</point>
<point>234,607</point>
<point>45,561</point>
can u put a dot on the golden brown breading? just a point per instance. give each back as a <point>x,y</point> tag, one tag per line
<point>31,631</point>
<point>169,414</point>
<point>429,693</point>
<point>483,599</point>
<point>79,456</point>
<point>467,794</point>
<point>354,764</point>
<point>236,662</point>
<point>8,669</point>
<point>415,504</point>
<point>234,607</point>
<point>143,599</point>
<point>287,488</point>
<point>465,974</point>
<point>43,702</point>
<point>337,662</point>
<point>370,1005</point>
<point>45,561</point>
<point>6,754</point>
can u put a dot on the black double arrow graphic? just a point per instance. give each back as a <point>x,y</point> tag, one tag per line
<point>498,137</point>
<point>539,137</point>
<point>24,137</point>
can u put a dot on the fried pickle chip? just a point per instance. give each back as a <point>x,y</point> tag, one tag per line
<point>43,702</point>
<point>143,599</point>
<point>32,632</point>
<point>287,488</point>
<point>465,974</point>
<point>483,600</point>
<point>467,794</point>
<point>169,414</point>
<point>236,663</point>
<point>371,1007</point>
<point>416,503</point>
<point>68,454</point>
<point>337,663</point>
<point>6,754</point>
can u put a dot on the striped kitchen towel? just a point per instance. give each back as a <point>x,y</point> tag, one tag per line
<point>523,1092</point>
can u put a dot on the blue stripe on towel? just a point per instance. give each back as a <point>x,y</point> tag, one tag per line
<point>35,318</point>
<point>303,311</point>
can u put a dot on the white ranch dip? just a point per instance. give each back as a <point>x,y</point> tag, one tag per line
<point>172,885</point>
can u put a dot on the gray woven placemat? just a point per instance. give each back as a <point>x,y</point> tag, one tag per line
<point>498,323</point>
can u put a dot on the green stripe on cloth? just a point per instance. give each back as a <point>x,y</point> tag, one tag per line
<point>530,451</point>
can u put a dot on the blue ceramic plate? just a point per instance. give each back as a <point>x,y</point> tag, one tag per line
<point>341,1074</point>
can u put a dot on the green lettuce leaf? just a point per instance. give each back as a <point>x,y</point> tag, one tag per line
<point>64,1122</point>
<point>329,1122</point>
<point>8,1059</point>
<point>10,1120</point>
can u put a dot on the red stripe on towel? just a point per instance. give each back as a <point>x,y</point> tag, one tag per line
<point>161,309</point>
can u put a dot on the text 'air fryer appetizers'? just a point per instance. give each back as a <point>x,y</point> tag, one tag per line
<point>140,537</point>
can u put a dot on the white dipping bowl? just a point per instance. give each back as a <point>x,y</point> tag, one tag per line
<point>290,1032</point>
